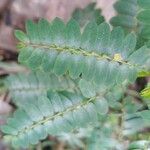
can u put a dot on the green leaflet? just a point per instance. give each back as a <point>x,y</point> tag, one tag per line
<point>21,36</point>
<point>90,13</point>
<point>26,88</point>
<point>57,113</point>
<point>87,88</point>
<point>91,55</point>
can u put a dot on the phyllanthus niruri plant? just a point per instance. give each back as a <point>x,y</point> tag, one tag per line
<point>73,78</point>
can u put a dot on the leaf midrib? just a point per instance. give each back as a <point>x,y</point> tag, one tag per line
<point>62,113</point>
<point>78,51</point>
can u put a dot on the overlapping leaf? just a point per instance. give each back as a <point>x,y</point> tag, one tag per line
<point>57,113</point>
<point>134,119</point>
<point>26,88</point>
<point>133,15</point>
<point>97,55</point>
<point>90,13</point>
<point>136,122</point>
<point>127,11</point>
